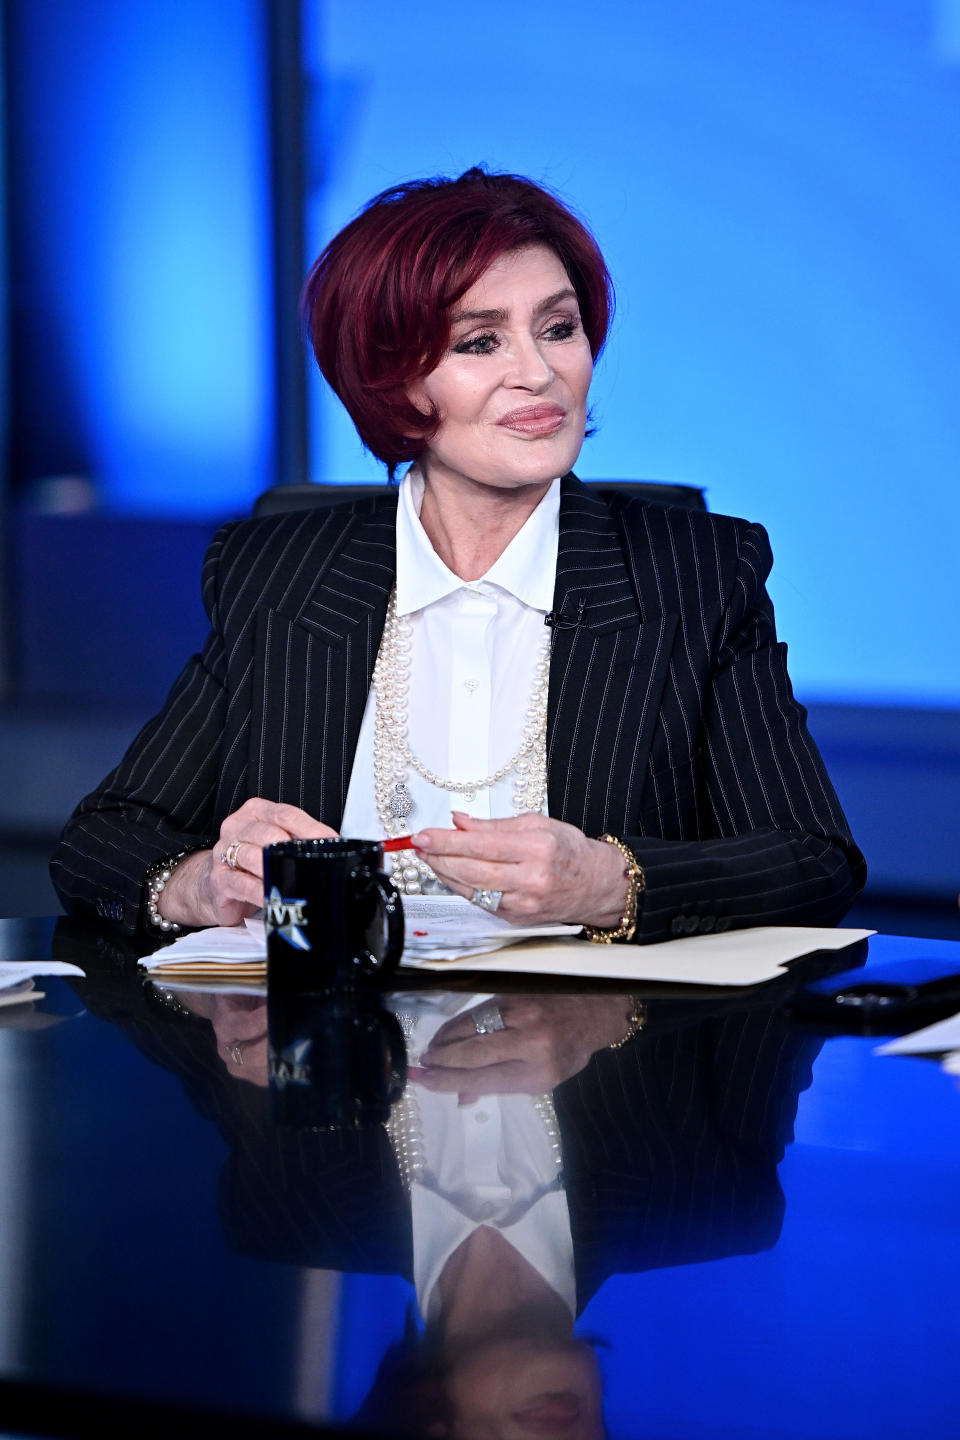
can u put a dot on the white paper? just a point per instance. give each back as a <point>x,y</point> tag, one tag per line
<point>447,926</point>
<point>737,957</point>
<point>931,1040</point>
<point>220,945</point>
<point>13,971</point>
<point>450,926</point>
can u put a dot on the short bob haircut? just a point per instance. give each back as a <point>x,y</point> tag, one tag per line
<point>377,302</point>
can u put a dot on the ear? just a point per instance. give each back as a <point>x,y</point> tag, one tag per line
<point>419,399</point>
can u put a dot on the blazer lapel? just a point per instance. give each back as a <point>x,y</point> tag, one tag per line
<point>607,670</point>
<point>317,648</point>
<point>315,656</point>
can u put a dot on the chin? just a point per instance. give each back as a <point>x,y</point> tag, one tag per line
<point>543,463</point>
<point>506,462</point>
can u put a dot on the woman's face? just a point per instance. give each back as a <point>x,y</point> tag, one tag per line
<point>512,387</point>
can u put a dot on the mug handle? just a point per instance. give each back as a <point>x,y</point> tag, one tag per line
<point>393,914</point>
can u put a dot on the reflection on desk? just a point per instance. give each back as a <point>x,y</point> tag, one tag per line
<point>174,1241</point>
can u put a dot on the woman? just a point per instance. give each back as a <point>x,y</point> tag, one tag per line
<point>459,320</point>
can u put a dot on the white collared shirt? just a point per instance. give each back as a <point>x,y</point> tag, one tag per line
<point>475,645</point>
<point>489,1163</point>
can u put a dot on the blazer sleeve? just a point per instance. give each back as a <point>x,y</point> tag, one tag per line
<point>771,843</point>
<point>161,798</point>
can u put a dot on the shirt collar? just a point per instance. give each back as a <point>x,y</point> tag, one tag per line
<point>527,568</point>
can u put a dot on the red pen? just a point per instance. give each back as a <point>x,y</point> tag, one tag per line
<point>402,842</point>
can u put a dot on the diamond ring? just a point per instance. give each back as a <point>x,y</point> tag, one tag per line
<point>487,1019</point>
<point>229,856</point>
<point>487,899</point>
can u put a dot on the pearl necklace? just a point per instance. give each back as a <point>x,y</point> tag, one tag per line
<point>393,757</point>
<point>404,1125</point>
<point>405,1131</point>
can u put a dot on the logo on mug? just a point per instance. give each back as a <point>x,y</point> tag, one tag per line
<point>288,919</point>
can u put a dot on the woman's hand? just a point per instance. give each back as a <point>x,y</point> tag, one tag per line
<point>545,1040</point>
<point>204,890</point>
<point>240,1025</point>
<point>548,871</point>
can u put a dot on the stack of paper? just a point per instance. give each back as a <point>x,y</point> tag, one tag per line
<point>16,978</point>
<point>447,933</point>
<point>237,952</point>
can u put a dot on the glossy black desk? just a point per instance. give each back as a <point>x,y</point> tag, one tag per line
<point>159,1247</point>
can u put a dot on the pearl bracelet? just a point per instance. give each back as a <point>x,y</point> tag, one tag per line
<point>155,880</point>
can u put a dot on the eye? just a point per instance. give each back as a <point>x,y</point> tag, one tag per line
<point>477,345</point>
<point>562,329</point>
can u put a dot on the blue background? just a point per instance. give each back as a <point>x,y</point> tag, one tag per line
<point>774,186</point>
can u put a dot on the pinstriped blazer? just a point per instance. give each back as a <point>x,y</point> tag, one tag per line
<point>670,1154</point>
<point>671,720</point>
<point>670,1145</point>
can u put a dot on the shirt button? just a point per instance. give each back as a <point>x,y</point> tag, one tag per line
<point>471,684</point>
<point>481,1117</point>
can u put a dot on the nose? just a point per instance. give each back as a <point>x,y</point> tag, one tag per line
<point>530,368</point>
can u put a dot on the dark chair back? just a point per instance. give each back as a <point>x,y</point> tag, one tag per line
<point>311,497</point>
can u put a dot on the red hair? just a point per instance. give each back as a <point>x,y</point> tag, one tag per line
<point>377,302</point>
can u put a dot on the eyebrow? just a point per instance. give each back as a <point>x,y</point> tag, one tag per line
<point>498,316</point>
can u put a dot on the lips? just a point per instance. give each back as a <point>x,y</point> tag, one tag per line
<point>549,1414</point>
<point>543,419</point>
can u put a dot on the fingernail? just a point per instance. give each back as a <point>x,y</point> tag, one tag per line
<point>420,841</point>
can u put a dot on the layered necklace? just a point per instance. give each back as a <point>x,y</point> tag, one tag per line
<point>405,1124</point>
<point>405,1130</point>
<point>393,758</point>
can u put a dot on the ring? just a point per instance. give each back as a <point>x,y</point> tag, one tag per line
<point>488,1019</point>
<point>487,899</point>
<point>236,1054</point>
<point>229,856</point>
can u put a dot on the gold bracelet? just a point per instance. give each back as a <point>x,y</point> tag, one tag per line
<point>636,1022</point>
<point>636,884</point>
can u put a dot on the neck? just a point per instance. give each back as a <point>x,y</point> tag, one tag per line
<point>487,1287</point>
<point>470,524</point>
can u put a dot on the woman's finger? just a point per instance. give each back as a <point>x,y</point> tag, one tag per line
<point>463,1026</point>
<point>510,1077</point>
<point>480,874</point>
<point>473,1053</point>
<point>234,888</point>
<point>498,840</point>
<point>247,849</point>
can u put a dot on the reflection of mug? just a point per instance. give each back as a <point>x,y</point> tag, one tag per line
<point>333,919</point>
<point>337,1061</point>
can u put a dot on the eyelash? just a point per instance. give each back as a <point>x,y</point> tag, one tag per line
<point>569,327</point>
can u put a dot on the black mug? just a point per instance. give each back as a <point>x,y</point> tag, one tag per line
<point>337,1061</point>
<point>334,921</point>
